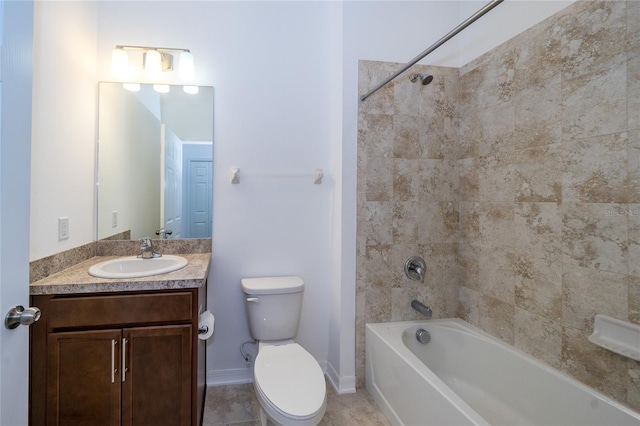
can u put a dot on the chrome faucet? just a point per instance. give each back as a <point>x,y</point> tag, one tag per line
<point>164,232</point>
<point>422,308</point>
<point>147,249</point>
<point>415,268</point>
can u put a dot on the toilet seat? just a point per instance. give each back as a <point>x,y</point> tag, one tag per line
<point>290,384</point>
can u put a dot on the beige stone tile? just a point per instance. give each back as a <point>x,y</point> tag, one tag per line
<point>596,236</point>
<point>469,305</point>
<point>587,292</point>
<point>497,318</point>
<point>632,184</point>
<point>496,225</point>
<point>368,415</point>
<point>496,130</point>
<point>595,172</point>
<point>539,230</point>
<point>633,89</point>
<point>595,104</point>
<point>633,29</point>
<point>594,38</point>
<point>634,300</point>
<point>470,127</point>
<point>537,113</point>
<point>469,261</point>
<point>538,336</point>
<point>406,140</point>
<point>469,226</point>
<point>496,175</point>
<point>370,73</point>
<point>538,286</point>
<point>633,387</point>
<point>496,274</point>
<point>437,222</point>
<point>496,82</point>
<point>468,179</point>
<point>442,278</point>
<point>593,365</point>
<point>538,57</point>
<point>438,181</point>
<point>405,178</point>
<point>375,135</point>
<point>405,220</point>
<point>538,174</point>
<point>633,214</point>
<point>377,305</point>
<point>229,404</point>
<point>378,217</point>
<point>377,266</point>
<point>380,179</point>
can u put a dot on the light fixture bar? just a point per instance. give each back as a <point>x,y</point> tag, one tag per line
<point>175,49</point>
<point>155,61</point>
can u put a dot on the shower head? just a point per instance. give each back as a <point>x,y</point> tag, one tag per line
<point>424,78</point>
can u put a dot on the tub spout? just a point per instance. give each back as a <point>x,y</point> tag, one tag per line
<point>422,308</point>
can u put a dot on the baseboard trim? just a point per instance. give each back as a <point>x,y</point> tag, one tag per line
<point>234,376</point>
<point>341,385</point>
<point>237,376</point>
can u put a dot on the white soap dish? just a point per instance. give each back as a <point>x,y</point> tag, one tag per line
<point>618,336</point>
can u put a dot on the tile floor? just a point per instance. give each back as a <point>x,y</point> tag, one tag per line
<point>237,405</point>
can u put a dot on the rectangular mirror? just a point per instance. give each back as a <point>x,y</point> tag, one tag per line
<point>155,153</point>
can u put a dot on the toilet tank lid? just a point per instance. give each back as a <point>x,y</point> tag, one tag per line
<point>272,285</point>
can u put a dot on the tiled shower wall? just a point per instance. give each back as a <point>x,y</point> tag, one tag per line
<point>407,196</point>
<point>544,192</point>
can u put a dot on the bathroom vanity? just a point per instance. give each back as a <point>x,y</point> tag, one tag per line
<point>119,351</point>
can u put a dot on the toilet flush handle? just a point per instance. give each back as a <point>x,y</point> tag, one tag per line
<point>253,299</point>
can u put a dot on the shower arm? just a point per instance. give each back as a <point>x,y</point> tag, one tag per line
<point>473,18</point>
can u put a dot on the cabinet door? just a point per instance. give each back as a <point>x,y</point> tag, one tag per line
<point>156,380</point>
<point>83,386</point>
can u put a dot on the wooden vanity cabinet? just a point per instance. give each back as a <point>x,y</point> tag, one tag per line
<point>116,359</point>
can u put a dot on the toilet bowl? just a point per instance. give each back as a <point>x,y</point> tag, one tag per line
<point>289,385</point>
<point>288,381</point>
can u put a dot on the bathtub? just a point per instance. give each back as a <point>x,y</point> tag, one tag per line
<point>463,376</point>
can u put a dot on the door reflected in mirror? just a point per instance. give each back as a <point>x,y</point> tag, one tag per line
<point>155,156</point>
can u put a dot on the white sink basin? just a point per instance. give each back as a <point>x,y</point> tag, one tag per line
<point>134,267</point>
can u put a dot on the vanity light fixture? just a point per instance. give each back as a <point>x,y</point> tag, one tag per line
<point>161,88</point>
<point>132,87</point>
<point>156,60</point>
<point>191,90</point>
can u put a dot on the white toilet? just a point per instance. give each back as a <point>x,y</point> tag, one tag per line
<point>289,383</point>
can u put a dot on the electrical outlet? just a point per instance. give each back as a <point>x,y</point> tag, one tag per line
<point>114,219</point>
<point>63,228</point>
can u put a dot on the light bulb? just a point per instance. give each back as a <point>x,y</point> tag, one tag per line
<point>119,63</point>
<point>192,90</point>
<point>161,88</point>
<point>131,87</point>
<point>152,64</point>
<point>186,67</point>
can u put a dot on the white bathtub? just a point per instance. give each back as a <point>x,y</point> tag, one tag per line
<point>463,376</point>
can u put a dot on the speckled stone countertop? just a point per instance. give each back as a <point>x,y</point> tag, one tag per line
<point>76,279</point>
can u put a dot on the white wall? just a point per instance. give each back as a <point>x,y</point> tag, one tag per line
<point>285,77</point>
<point>269,64</point>
<point>64,125</point>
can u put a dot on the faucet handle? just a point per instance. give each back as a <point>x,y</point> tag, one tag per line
<point>415,268</point>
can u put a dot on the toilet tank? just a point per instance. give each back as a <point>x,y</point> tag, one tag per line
<point>273,306</point>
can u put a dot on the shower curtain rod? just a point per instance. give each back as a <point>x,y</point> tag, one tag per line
<point>473,18</point>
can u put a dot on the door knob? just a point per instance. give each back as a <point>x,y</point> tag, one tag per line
<point>19,315</point>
